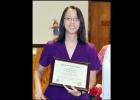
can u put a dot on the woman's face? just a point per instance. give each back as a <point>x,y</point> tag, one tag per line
<point>71,21</point>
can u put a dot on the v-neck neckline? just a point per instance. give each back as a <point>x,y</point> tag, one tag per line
<point>73,51</point>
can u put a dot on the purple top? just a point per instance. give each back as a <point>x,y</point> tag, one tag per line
<point>82,53</point>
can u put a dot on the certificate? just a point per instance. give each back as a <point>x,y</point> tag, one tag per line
<point>70,73</point>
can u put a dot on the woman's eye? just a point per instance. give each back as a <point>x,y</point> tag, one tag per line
<point>68,19</point>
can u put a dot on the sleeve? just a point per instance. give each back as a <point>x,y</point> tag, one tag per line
<point>93,57</point>
<point>45,55</point>
<point>101,54</point>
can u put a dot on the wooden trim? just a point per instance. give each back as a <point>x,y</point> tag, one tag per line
<point>101,0</point>
<point>37,45</point>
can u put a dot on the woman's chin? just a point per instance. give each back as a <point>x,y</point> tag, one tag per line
<point>72,32</point>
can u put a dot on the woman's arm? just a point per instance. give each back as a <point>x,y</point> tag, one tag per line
<point>37,77</point>
<point>92,80</point>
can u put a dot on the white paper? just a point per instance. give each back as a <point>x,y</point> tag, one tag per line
<point>70,73</point>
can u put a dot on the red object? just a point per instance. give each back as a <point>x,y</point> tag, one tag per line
<point>96,91</point>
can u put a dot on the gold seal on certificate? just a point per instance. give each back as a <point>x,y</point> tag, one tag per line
<point>70,73</point>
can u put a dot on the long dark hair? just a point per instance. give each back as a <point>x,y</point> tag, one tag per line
<point>81,31</point>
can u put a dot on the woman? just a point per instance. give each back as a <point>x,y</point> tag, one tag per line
<point>70,45</point>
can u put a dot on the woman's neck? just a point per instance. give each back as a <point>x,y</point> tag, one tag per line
<point>71,38</point>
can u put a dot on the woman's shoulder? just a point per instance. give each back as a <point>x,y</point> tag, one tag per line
<point>105,47</point>
<point>90,45</point>
<point>50,43</point>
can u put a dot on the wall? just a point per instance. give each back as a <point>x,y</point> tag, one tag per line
<point>99,26</point>
<point>99,23</point>
<point>44,12</point>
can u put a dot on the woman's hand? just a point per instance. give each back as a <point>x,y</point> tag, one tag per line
<point>39,96</point>
<point>38,90</point>
<point>73,91</point>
